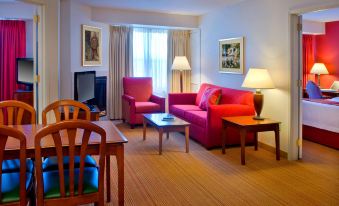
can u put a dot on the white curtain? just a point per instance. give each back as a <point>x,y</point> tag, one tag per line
<point>120,65</point>
<point>179,45</point>
<point>150,57</point>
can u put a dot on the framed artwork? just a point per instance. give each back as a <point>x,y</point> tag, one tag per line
<point>91,46</point>
<point>231,55</point>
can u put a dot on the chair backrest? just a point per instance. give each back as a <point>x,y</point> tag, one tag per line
<point>138,87</point>
<point>67,133</point>
<point>313,90</point>
<point>12,112</point>
<point>67,106</point>
<point>6,132</point>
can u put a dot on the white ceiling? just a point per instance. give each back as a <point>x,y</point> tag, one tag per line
<point>323,15</point>
<point>187,7</point>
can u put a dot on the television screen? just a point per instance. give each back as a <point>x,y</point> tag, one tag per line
<point>84,83</point>
<point>25,71</point>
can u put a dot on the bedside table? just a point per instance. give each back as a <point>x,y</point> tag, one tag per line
<point>247,124</point>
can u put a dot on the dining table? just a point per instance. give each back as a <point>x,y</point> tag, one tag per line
<point>115,141</point>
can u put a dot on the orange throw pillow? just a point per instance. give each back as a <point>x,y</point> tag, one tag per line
<point>211,96</point>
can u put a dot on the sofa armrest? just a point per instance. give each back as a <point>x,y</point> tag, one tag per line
<point>229,110</point>
<point>181,98</point>
<point>159,100</point>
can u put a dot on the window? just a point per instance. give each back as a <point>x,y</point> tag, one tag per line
<point>150,56</point>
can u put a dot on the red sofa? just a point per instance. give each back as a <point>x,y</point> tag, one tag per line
<point>138,99</point>
<point>206,125</point>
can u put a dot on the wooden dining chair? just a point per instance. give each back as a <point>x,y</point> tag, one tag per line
<point>71,186</point>
<point>75,107</point>
<point>15,185</point>
<point>66,106</point>
<point>14,112</point>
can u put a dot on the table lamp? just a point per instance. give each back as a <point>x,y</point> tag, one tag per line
<point>319,68</point>
<point>258,79</point>
<point>181,63</point>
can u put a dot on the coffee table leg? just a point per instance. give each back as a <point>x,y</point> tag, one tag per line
<point>255,141</point>
<point>277,142</point>
<point>144,129</point>
<point>187,136</point>
<point>160,140</point>
<point>242,140</point>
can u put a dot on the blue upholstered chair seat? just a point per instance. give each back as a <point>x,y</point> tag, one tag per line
<point>51,163</point>
<point>10,186</point>
<point>14,166</point>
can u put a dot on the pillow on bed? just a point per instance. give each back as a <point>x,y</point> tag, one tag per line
<point>335,99</point>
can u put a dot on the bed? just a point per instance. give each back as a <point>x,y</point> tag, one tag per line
<point>321,121</point>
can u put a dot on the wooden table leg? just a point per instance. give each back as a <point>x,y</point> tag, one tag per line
<point>255,141</point>
<point>243,141</point>
<point>108,178</point>
<point>187,136</point>
<point>161,131</point>
<point>167,135</point>
<point>223,137</point>
<point>121,177</point>
<point>144,129</point>
<point>277,142</point>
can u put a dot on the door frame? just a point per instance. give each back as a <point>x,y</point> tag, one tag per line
<point>295,17</point>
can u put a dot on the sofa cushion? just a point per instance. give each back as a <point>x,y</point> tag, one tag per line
<point>179,110</point>
<point>211,96</point>
<point>146,107</point>
<point>197,117</point>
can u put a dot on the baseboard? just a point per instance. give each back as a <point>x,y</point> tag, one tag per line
<point>272,149</point>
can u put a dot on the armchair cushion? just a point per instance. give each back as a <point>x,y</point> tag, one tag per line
<point>146,107</point>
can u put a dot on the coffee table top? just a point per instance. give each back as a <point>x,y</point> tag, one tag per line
<point>157,120</point>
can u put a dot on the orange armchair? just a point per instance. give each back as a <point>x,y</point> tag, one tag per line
<point>138,99</point>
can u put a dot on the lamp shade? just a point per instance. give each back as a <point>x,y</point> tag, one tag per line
<point>258,79</point>
<point>319,68</point>
<point>180,63</point>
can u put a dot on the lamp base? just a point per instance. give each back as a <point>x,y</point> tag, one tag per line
<point>258,118</point>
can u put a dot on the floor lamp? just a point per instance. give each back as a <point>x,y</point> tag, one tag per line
<point>180,63</point>
<point>258,79</point>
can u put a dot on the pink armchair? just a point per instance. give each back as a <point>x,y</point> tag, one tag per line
<point>138,99</point>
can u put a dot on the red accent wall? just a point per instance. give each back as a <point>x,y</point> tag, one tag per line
<point>327,52</point>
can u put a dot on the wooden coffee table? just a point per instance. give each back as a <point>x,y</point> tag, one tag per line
<point>247,124</point>
<point>175,125</point>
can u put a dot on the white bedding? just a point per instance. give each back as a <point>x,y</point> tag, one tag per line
<point>322,116</point>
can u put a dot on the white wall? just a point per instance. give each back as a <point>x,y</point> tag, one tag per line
<point>73,15</point>
<point>313,27</point>
<point>265,27</point>
<point>29,38</point>
<point>16,10</point>
<point>116,17</point>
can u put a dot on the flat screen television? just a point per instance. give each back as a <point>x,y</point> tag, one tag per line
<point>84,86</point>
<point>25,72</point>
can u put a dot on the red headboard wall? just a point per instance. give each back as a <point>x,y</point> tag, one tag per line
<point>327,52</point>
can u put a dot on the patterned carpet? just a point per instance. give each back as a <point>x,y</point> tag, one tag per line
<point>206,177</point>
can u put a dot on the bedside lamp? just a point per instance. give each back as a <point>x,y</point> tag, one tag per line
<point>181,63</point>
<point>258,79</point>
<point>319,68</point>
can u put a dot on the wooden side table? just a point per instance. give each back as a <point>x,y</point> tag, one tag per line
<point>248,124</point>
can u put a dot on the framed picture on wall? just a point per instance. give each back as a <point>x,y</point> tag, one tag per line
<point>231,55</point>
<point>91,46</point>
